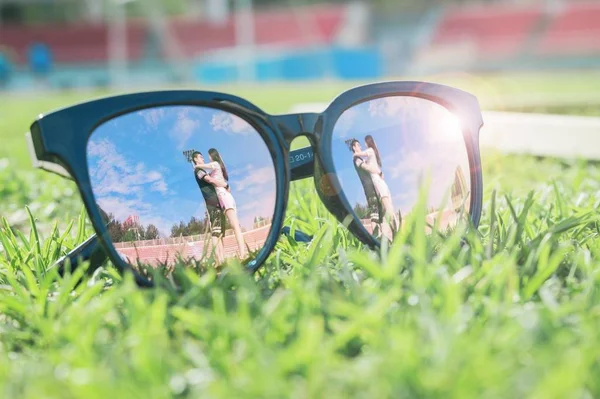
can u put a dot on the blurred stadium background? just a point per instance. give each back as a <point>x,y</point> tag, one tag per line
<point>66,44</point>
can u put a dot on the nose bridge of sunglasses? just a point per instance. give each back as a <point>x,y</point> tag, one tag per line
<point>296,125</point>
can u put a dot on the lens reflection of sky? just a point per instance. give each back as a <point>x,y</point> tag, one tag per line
<point>415,138</point>
<point>137,165</point>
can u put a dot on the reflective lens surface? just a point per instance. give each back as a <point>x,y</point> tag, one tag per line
<point>387,150</point>
<point>182,183</point>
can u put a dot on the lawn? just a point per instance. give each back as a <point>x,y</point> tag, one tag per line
<point>541,92</point>
<point>511,312</point>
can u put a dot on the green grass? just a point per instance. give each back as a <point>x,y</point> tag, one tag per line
<point>540,92</point>
<point>512,312</point>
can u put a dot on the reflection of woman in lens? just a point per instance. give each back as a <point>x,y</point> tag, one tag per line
<point>373,165</point>
<point>218,171</point>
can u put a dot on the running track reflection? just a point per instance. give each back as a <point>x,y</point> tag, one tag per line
<point>170,250</point>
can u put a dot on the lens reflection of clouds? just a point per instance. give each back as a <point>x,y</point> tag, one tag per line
<point>137,166</point>
<point>416,138</point>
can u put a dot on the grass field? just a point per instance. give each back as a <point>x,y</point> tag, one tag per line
<point>514,313</point>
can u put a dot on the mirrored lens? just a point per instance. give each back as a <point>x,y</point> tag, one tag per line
<point>183,183</point>
<point>389,149</point>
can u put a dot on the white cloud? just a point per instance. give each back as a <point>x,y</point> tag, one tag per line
<point>345,123</point>
<point>230,123</point>
<point>392,106</point>
<point>440,124</point>
<point>377,107</point>
<point>247,211</point>
<point>406,162</point>
<point>422,162</point>
<point>252,177</point>
<point>122,208</point>
<point>160,186</point>
<point>257,193</point>
<point>437,163</point>
<point>112,173</point>
<point>153,116</point>
<point>184,128</point>
<point>254,191</point>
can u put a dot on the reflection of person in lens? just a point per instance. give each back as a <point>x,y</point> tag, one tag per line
<point>373,165</point>
<point>218,172</point>
<point>373,203</point>
<point>216,217</point>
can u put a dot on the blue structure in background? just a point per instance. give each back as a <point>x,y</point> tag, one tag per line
<point>291,66</point>
<point>5,70</point>
<point>215,72</point>
<point>357,64</point>
<point>302,65</point>
<point>40,59</point>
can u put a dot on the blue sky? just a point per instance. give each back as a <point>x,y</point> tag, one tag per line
<point>137,165</point>
<point>414,136</point>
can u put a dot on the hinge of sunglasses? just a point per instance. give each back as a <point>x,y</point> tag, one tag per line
<point>44,165</point>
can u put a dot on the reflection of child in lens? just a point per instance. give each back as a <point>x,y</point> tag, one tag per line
<point>373,165</point>
<point>218,171</point>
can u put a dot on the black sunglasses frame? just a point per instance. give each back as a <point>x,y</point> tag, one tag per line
<point>58,142</point>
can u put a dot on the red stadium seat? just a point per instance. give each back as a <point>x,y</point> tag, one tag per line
<point>77,43</point>
<point>198,36</point>
<point>299,27</point>
<point>575,31</point>
<point>296,27</point>
<point>88,43</point>
<point>496,32</point>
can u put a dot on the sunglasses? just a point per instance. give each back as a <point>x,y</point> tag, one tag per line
<point>205,176</point>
